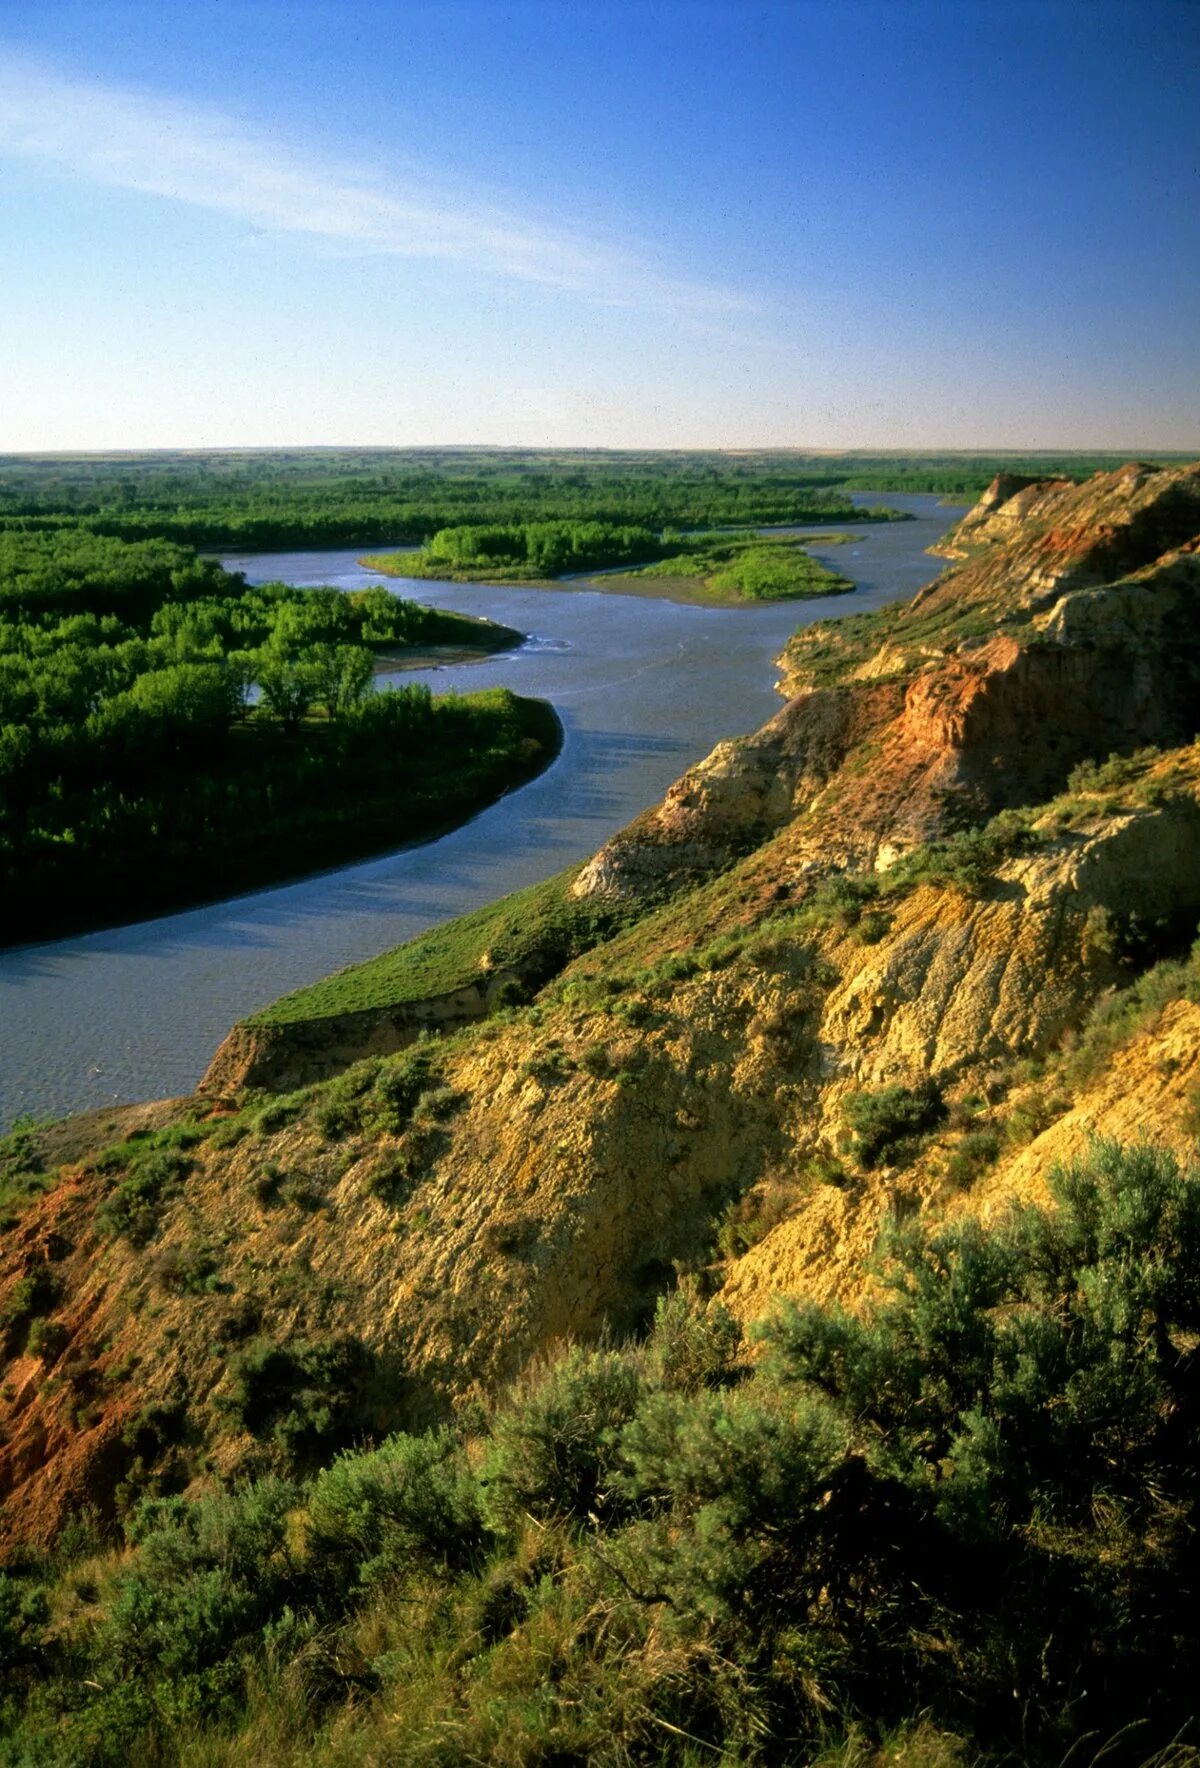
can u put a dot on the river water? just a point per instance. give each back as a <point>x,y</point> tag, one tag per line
<point>643,688</point>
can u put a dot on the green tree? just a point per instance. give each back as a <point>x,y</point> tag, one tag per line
<point>343,673</point>
<point>288,687</point>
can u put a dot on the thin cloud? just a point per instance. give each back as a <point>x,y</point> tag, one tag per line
<point>169,147</point>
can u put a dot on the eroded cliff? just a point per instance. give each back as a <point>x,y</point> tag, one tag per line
<point>896,952</point>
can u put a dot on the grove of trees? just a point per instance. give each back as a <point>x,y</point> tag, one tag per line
<point>168,732</point>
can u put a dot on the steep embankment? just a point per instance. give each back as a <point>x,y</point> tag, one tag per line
<point>815,987</point>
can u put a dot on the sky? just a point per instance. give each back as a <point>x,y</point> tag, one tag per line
<point>604,223</point>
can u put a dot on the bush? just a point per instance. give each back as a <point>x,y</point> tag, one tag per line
<point>48,1339</point>
<point>134,1206</point>
<point>889,1121</point>
<point>340,1103</point>
<point>841,899</point>
<point>28,1300</point>
<point>410,1502</point>
<point>747,1481</point>
<point>204,1577</point>
<point>692,1345</point>
<point>177,1627</point>
<point>240,1529</point>
<point>1118,770</point>
<point>1036,1366</point>
<point>24,1617</point>
<point>973,1498</point>
<point>975,1152</point>
<point>190,1269</point>
<point>310,1397</point>
<point>553,1446</point>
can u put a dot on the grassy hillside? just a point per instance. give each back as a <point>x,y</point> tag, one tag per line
<point>961,1502</point>
<point>769,1337</point>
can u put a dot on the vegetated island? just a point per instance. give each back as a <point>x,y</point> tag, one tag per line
<point>169,734</point>
<point>717,569</point>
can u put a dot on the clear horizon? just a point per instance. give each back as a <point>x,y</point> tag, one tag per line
<point>808,227</point>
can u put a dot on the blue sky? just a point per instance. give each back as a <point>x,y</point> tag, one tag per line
<point>873,223</point>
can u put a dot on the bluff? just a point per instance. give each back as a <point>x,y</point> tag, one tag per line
<point>888,957</point>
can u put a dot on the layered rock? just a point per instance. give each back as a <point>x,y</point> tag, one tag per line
<point>983,692</point>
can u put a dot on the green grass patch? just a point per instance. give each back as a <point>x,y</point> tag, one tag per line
<point>749,567</point>
<point>537,931</point>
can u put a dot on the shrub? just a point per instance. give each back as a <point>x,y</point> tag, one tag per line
<point>1118,770</point>
<point>552,1451</point>
<point>971,1498</point>
<point>190,1269</point>
<point>276,1114</point>
<point>29,1298</point>
<point>232,1529</point>
<point>968,860</point>
<point>841,899</point>
<point>401,1085</point>
<point>48,1339</point>
<point>598,1061</point>
<point>24,1618</point>
<point>550,1063</point>
<point>266,1185</point>
<point>692,1344</point>
<point>975,1152</point>
<point>746,1479</point>
<point>889,1121</point>
<point>134,1206</point>
<point>1036,1364</point>
<point>393,1179</point>
<point>412,1501</point>
<point>310,1397</point>
<point>340,1103</point>
<point>172,1628</point>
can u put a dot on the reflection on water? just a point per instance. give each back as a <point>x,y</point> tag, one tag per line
<point>644,688</point>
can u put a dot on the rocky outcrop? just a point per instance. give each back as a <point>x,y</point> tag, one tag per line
<point>1019,554</point>
<point>879,767</point>
<point>1111,522</point>
<point>1056,536</point>
<point>740,795</point>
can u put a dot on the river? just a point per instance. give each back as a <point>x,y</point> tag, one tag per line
<point>644,688</point>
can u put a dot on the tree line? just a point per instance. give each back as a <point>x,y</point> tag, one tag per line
<point>324,497</point>
<point>280,505</point>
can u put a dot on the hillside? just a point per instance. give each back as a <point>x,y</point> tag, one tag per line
<point>891,959</point>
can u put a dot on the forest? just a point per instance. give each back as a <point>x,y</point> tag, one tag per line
<point>263,499</point>
<point>168,732</point>
<point>264,511</point>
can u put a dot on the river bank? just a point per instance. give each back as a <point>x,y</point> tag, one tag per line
<point>643,689</point>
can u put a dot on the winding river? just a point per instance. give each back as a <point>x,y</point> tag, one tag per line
<point>644,688</point>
